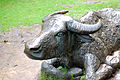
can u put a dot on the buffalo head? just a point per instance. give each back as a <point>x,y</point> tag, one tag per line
<point>53,40</point>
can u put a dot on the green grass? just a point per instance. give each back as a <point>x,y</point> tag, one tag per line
<point>64,70</point>
<point>14,13</point>
<point>45,77</point>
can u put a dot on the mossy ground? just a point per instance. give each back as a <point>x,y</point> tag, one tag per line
<point>63,69</point>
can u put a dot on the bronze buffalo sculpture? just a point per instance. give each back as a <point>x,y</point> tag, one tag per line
<point>67,42</point>
<point>54,38</point>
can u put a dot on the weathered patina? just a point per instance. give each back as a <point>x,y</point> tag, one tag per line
<point>68,42</point>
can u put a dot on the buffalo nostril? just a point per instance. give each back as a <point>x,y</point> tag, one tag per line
<point>29,47</point>
<point>35,50</point>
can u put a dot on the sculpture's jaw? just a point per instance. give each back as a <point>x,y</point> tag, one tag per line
<point>32,55</point>
<point>38,54</point>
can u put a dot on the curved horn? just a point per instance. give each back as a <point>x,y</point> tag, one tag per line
<point>57,12</point>
<point>78,27</point>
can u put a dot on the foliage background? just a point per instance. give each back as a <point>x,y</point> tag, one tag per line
<point>14,13</point>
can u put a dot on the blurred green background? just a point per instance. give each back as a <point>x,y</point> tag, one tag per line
<point>14,13</point>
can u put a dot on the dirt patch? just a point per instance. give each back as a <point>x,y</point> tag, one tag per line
<point>67,6</point>
<point>14,64</point>
<point>64,5</point>
<point>90,2</point>
<point>93,2</point>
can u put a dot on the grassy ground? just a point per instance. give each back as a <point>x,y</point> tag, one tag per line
<point>14,13</point>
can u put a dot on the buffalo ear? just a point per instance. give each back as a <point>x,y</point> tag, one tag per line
<point>85,38</point>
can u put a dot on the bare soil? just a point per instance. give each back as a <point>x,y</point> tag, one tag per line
<point>91,2</point>
<point>14,64</point>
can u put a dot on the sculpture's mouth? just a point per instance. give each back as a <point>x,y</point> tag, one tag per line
<point>34,54</point>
